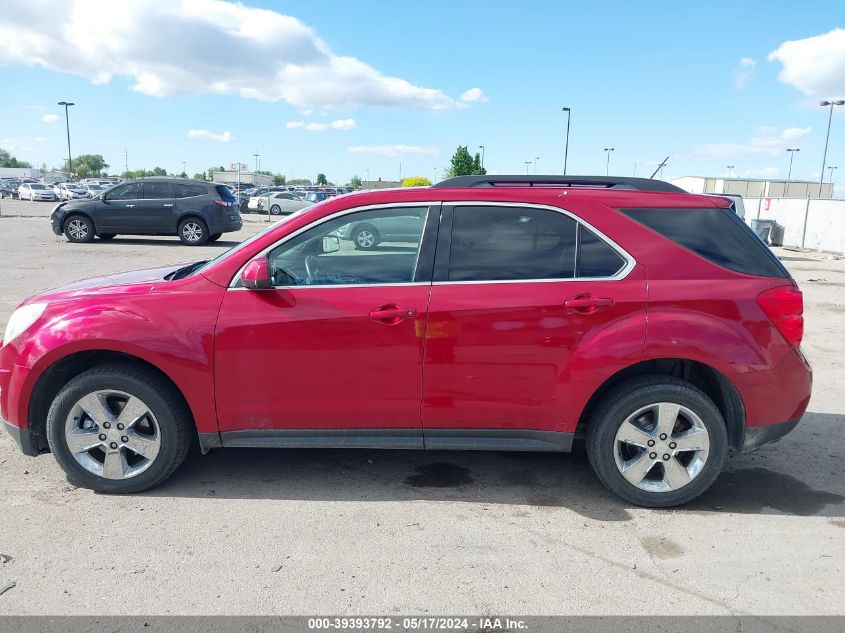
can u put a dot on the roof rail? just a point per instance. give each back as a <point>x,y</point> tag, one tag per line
<point>607,182</point>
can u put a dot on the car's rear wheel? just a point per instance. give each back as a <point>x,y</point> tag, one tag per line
<point>275,210</point>
<point>214,237</point>
<point>79,229</point>
<point>118,428</point>
<point>365,237</point>
<point>106,236</point>
<point>193,231</point>
<point>657,441</point>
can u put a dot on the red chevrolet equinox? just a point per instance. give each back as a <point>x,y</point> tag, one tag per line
<point>484,313</point>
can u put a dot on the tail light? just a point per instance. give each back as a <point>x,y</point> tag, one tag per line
<point>785,308</point>
<point>223,203</point>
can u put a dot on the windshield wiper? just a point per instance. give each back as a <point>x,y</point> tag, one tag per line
<point>183,272</point>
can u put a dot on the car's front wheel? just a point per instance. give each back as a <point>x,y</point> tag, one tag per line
<point>79,229</point>
<point>193,232</point>
<point>657,441</point>
<point>118,428</point>
<point>275,210</point>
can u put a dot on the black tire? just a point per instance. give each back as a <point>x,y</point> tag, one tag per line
<point>79,229</point>
<point>245,207</point>
<point>193,231</point>
<point>164,402</point>
<point>361,240</point>
<point>628,398</point>
<point>214,237</point>
<point>275,210</point>
<point>106,236</point>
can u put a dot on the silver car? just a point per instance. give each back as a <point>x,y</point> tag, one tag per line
<point>369,234</point>
<point>33,191</point>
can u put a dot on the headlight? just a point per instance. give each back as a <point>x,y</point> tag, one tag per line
<point>21,319</point>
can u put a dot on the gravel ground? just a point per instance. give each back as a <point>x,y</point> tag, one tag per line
<point>370,532</point>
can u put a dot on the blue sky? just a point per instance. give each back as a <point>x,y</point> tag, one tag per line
<point>648,79</point>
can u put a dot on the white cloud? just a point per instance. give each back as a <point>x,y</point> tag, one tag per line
<point>39,139</point>
<point>744,72</point>
<point>201,46</point>
<point>340,124</point>
<point>393,150</point>
<point>225,137</point>
<point>814,65</point>
<point>474,95</point>
<point>767,143</point>
<point>50,118</point>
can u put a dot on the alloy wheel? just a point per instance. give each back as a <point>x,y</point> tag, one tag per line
<point>365,238</point>
<point>77,229</point>
<point>661,447</point>
<point>192,232</point>
<point>112,434</point>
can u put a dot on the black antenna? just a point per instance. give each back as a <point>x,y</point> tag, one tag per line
<point>660,166</point>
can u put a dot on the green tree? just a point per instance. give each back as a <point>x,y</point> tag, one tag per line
<point>416,181</point>
<point>355,182</point>
<point>300,181</point>
<point>200,175</point>
<point>321,179</point>
<point>477,169</point>
<point>7,160</point>
<point>462,163</point>
<point>183,175</point>
<point>87,165</point>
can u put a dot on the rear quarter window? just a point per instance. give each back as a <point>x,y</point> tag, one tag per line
<point>715,234</point>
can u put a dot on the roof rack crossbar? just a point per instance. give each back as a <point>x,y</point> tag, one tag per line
<point>608,182</point>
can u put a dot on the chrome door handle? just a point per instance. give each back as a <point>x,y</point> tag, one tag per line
<point>129,206</point>
<point>168,205</point>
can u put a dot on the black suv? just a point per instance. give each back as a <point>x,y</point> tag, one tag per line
<point>198,212</point>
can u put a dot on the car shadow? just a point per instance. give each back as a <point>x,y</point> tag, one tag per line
<point>161,241</point>
<point>767,482</point>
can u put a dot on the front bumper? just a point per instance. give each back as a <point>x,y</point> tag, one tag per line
<point>23,438</point>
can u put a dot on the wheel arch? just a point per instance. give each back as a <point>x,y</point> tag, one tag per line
<point>64,369</point>
<point>711,381</point>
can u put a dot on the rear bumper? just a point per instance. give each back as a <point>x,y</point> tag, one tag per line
<point>226,226</point>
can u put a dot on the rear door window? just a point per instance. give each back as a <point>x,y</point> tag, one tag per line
<point>156,190</point>
<point>595,256</point>
<point>181,190</point>
<point>715,234</point>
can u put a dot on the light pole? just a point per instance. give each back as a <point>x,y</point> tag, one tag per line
<point>435,175</point>
<point>730,172</point>
<point>566,147</point>
<point>527,167</point>
<point>791,151</point>
<point>830,180</point>
<point>183,168</point>
<point>839,102</point>
<point>536,158</point>
<point>67,104</point>
<point>481,147</point>
<point>607,151</point>
<point>368,174</point>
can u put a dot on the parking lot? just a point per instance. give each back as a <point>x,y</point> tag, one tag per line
<point>367,532</point>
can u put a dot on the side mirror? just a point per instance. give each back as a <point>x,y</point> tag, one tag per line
<point>331,244</point>
<point>256,275</point>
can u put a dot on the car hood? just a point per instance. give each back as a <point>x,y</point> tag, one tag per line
<point>133,282</point>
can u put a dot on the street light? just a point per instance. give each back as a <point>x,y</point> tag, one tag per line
<point>536,158</point>
<point>67,104</point>
<point>435,175</point>
<point>184,162</point>
<point>824,104</point>
<point>527,167</point>
<point>830,169</point>
<point>791,151</point>
<point>730,171</point>
<point>607,165</point>
<point>566,150</point>
<point>481,147</point>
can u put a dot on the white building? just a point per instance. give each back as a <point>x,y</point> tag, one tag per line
<point>232,178</point>
<point>755,188</point>
<point>20,172</point>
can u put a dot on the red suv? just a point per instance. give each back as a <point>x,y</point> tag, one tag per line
<point>523,313</point>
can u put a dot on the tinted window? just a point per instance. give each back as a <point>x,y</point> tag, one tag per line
<point>504,243</point>
<point>225,193</point>
<point>37,186</point>
<point>715,234</point>
<point>380,246</point>
<point>132,191</point>
<point>181,190</point>
<point>595,257</point>
<point>156,190</point>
